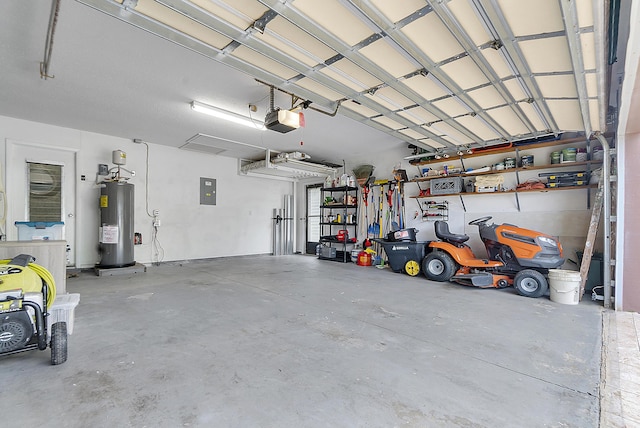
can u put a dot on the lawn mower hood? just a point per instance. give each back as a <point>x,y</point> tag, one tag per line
<point>530,248</point>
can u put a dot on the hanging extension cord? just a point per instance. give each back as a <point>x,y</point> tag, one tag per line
<point>158,250</point>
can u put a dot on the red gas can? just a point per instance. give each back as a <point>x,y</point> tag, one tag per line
<point>364,259</point>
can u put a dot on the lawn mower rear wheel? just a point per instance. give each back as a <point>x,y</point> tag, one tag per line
<point>439,266</point>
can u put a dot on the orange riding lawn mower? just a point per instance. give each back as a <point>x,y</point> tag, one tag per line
<point>516,256</point>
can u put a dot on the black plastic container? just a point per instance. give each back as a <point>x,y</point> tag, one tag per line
<point>400,252</point>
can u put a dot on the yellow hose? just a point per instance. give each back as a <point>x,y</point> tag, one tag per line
<point>46,277</point>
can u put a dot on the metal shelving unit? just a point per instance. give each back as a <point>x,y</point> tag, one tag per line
<point>339,211</point>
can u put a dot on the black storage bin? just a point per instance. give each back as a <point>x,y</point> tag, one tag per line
<point>595,276</point>
<point>400,252</point>
<point>402,235</point>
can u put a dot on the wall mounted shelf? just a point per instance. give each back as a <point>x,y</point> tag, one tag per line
<point>587,166</point>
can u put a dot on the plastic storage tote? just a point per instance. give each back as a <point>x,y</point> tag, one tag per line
<point>40,230</point>
<point>63,309</point>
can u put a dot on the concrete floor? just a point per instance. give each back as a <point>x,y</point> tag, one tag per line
<point>293,341</point>
<point>620,388</point>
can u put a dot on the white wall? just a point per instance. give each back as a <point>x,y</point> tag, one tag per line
<point>239,224</point>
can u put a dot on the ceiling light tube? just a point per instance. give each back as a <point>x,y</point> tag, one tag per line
<point>227,115</point>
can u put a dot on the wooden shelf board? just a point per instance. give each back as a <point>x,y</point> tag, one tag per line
<point>508,170</point>
<point>511,149</point>
<point>546,189</point>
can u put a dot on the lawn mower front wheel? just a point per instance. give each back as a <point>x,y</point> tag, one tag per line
<point>58,343</point>
<point>530,283</point>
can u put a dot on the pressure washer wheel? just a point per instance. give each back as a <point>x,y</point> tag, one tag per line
<point>530,283</point>
<point>439,266</point>
<point>58,343</point>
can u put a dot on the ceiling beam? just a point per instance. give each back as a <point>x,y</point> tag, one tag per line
<point>301,21</point>
<point>494,22</point>
<point>570,19</point>
<point>393,30</point>
<point>600,18</point>
<point>246,37</point>
<point>472,50</point>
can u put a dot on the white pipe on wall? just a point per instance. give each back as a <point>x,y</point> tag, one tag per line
<point>606,188</point>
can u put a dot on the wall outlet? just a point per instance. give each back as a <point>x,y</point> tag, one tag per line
<point>156,213</point>
<point>156,222</point>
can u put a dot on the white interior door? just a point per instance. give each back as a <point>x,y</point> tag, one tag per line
<point>19,155</point>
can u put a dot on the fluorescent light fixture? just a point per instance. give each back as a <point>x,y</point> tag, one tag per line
<point>227,115</point>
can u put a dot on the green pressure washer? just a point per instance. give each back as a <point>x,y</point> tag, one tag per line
<point>27,292</point>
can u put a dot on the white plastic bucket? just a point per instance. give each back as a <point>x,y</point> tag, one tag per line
<point>564,286</point>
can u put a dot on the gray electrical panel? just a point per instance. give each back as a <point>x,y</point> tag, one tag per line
<point>207,191</point>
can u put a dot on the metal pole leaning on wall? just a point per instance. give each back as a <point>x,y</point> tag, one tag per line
<point>288,225</point>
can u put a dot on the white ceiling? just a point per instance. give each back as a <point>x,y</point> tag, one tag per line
<point>423,72</point>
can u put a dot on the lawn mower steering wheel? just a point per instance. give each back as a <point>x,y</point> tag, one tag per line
<point>479,221</point>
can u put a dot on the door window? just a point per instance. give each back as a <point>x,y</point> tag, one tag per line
<point>313,218</point>
<point>45,192</point>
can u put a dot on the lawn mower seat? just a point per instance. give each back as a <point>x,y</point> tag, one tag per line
<point>442,232</point>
